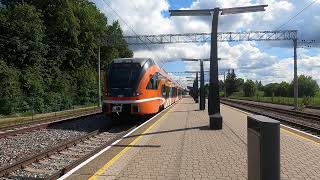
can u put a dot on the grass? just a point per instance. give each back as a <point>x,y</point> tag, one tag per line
<point>27,117</point>
<point>314,101</point>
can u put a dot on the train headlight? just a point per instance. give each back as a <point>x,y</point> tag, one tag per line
<point>136,94</point>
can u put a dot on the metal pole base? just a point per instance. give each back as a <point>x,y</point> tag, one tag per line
<point>215,121</point>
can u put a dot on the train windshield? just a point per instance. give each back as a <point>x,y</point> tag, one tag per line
<point>123,76</point>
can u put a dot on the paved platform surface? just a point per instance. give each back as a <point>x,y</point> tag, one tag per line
<point>180,146</point>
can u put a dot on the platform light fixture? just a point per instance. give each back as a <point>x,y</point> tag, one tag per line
<point>247,9</point>
<point>214,99</point>
<point>202,103</point>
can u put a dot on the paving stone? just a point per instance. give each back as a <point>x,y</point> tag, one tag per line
<point>187,149</point>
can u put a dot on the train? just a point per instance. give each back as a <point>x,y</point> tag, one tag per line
<point>138,87</point>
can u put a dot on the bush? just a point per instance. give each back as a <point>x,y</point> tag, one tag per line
<point>10,92</point>
<point>249,88</point>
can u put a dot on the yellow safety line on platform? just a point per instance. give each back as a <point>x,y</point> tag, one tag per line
<point>115,158</point>
<point>287,131</point>
<point>302,137</point>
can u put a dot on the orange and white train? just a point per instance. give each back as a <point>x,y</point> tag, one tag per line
<point>138,86</point>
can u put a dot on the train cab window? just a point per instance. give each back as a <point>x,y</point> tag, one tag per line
<point>153,82</point>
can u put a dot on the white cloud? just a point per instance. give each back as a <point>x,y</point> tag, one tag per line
<point>250,60</point>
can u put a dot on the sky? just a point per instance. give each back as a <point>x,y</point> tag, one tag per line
<point>262,61</point>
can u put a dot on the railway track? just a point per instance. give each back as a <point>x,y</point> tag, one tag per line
<point>56,161</point>
<point>308,122</point>
<point>44,123</point>
<point>81,139</point>
<point>68,144</point>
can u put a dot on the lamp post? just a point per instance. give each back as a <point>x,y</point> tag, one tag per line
<point>214,100</point>
<point>196,88</point>
<point>202,103</point>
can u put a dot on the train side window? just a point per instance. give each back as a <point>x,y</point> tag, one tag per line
<point>163,90</point>
<point>167,91</point>
<point>153,82</point>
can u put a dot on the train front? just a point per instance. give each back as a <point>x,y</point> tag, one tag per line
<point>123,96</point>
<point>121,88</point>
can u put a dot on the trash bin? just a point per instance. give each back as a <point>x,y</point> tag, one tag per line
<point>263,148</point>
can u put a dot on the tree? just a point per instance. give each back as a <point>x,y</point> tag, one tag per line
<point>249,88</point>
<point>283,89</point>
<point>62,34</point>
<point>239,84</point>
<point>221,85</point>
<point>230,83</point>
<point>49,53</point>
<point>307,87</point>
<point>23,34</point>
<point>259,85</point>
<point>270,89</point>
<point>86,85</point>
<point>10,93</point>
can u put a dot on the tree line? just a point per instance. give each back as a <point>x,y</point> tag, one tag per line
<point>48,53</point>
<point>307,87</point>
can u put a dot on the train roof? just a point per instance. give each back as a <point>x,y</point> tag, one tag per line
<point>141,61</point>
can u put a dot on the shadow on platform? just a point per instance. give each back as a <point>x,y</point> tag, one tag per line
<point>185,111</point>
<point>202,128</point>
<point>148,146</point>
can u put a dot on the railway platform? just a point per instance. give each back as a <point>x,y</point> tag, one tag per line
<point>179,145</point>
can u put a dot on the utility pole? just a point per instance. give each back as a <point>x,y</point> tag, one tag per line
<point>202,103</point>
<point>224,86</point>
<point>295,78</point>
<point>99,78</point>
<point>214,100</point>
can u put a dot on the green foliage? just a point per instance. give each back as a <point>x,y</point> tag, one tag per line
<point>239,84</point>
<point>270,89</point>
<point>22,37</point>
<point>237,94</point>
<point>10,92</point>
<point>86,85</point>
<point>283,89</point>
<point>49,54</point>
<point>230,83</point>
<point>306,86</point>
<point>259,85</point>
<point>221,85</point>
<point>249,88</point>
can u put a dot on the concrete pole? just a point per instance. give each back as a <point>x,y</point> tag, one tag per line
<point>224,86</point>
<point>99,78</point>
<point>202,103</point>
<point>214,99</point>
<point>295,91</point>
<point>197,88</point>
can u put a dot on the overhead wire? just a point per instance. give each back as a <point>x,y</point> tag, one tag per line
<point>136,8</point>
<point>303,9</point>
<point>163,45</point>
<point>282,25</point>
<point>117,14</point>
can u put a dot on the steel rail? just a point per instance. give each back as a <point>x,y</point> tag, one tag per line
<point>44,123</point>
<point>306,121</point>
<point>24,162</point>
<point>69,167</point>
